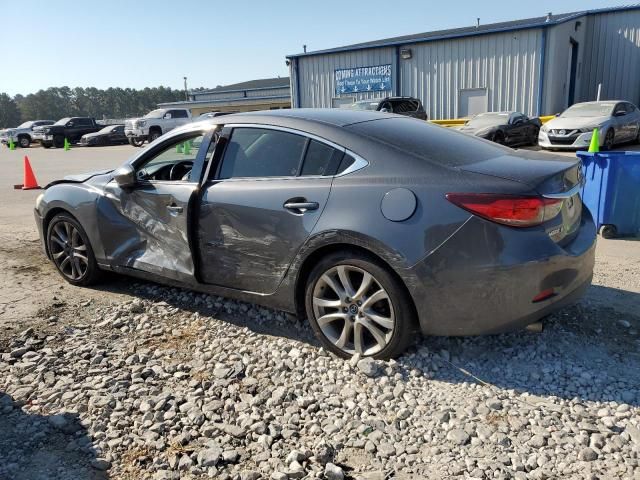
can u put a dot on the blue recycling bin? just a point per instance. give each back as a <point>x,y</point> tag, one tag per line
<point>612,191</point>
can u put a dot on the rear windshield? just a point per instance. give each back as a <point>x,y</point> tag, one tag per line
<point>438,144</point>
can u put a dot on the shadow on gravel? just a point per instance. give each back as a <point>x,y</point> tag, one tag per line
<point>587,351</point>
<point>155,292</point>
<point>38,447</point>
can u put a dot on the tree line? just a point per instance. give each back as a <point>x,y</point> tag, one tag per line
<point>58,102</point>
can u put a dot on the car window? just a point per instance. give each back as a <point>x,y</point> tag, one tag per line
<point>257,152</point>
<point>403,106</point>
<point>184,150</point>
<point>620,108</point>
<point>82,122</point>
<point>320,159</point>
<point>630,107</point>
<point>178,114</point>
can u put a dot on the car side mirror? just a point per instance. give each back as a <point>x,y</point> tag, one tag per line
<point>70,124</point>
<point>557,115</point>
<point>167,116</point>
<point>125,176</point>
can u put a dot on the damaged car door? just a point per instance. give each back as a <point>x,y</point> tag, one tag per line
<point>261,204</point>
<point>145,216</point>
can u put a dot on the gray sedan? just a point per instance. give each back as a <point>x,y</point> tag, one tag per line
<point>617,122</point>
<point>372,226</point>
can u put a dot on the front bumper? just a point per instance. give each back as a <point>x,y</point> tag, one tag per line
<point>567,142</point>
<point>40,224</point>
<point>135,133</point>
<point>484,278</point>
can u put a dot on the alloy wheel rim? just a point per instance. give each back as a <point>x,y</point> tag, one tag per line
<point>24,142</point>
<point>353,310</point>
<point>68,250</point>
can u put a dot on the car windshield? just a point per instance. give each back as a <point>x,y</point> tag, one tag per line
<point>159,113</point>
<point>489,119</point>
<point>25,125</point>
<point>362,105</point>
<point>589,110</point>
<point>63,121</point>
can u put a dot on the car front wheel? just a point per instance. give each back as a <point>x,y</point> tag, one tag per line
<point>71,251</point>
<point>356,306</point>
<point>609,139</point>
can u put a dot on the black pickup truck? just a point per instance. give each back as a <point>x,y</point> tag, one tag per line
<point>71,128</point>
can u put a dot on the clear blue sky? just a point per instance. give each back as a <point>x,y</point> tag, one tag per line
<point>140,43</point>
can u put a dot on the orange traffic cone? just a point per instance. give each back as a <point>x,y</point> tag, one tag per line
<point>30,182</point>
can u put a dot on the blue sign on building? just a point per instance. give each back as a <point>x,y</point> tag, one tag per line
<point>363,79</point>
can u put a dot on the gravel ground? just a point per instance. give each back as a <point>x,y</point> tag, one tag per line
<point>136,381</point>
<point>173,384</point>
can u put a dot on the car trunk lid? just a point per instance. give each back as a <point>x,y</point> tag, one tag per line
<point>552,177</point>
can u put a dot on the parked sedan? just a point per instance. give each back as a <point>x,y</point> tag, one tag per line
<point>507,128</point>
<point>370,225</point>
<point>617,122</point>
<point>111,135</point>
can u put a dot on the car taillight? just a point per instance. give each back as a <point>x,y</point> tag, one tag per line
<point>512,210</point>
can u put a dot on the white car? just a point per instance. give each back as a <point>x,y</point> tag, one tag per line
<point>617,122</point>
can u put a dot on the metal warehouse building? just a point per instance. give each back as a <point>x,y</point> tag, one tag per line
<point>262,94</point>
<point>537,66</point>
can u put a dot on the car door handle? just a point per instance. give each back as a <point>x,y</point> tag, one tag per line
<point>301,207</point>
<point>174,209</point>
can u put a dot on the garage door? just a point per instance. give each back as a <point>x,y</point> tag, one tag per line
<point>472,101</point>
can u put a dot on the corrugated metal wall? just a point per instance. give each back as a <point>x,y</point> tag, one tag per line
<point>317,85</point>
<point>506,64</point>
<point>612,56</point>
<point>265,92</point>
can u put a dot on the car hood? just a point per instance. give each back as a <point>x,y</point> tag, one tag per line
<point>475,130</point>
<point>560,123</point>
<point>92,135</point>
<point>80,177</point>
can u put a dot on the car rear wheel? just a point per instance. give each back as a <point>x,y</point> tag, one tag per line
<point>58,141</point>
<point>498,137</point>
<point>355,306</point>
<point>136,142</point>
<point>609,139</point>
<point>154,134</point>
<point>71,251</point>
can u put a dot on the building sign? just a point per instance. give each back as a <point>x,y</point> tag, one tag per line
<point>363,79</point>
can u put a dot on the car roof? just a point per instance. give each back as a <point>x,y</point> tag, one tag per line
<point>336,117</point>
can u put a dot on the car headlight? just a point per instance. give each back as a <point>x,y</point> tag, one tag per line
<point>544,128</point>
<point>141,123</point>
<point>590,129</point>
<point>484,132</point>
<point>11,133</point>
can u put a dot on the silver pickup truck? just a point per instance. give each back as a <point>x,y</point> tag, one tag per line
<point>154,124</point>
<point>23,134</point>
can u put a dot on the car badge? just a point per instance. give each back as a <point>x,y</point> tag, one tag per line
<point>562,132</point>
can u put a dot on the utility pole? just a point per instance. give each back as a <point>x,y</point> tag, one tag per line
<point>186,92</point>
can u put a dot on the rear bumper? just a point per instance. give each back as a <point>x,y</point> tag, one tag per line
<point>483,279</point>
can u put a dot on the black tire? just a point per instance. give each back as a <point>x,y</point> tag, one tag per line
<point>80,269</point>
<point>58,141</point>
<point>498,137</point>
<point>24,141</point>
<point>608,231</point>
<point>46,145</point>
<point>534,139</point>
<point>395,307</point>
<point>609,140</point>
<point>638,135</point>
<point>154,134</point>
<point>136,142</point>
